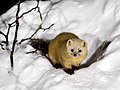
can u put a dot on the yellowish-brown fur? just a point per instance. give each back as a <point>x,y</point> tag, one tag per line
<point>59,51</point>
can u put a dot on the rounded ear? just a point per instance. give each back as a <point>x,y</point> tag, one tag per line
<point>69,42</point>
<point>83,44</point>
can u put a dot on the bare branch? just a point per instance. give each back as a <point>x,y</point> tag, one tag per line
<point>16,24</point>
<point>2,46</point>
<point>36,7</point>
<point>39,10</point>
<point>15,38</point>
<point>2,33</point>
<point>35,33</point>
<point>6,37</point>
<point>48,27</point>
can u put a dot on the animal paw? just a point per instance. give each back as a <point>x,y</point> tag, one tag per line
<point>57,66</point>
<point>75,67</point>
<point>69,71</point>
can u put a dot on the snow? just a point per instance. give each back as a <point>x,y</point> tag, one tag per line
<point>92,20</point>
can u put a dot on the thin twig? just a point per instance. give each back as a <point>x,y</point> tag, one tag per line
<point>2,46</point>
<point>39,10</point>
<point>35,33</point>
<point>6,42</point>
<point>26,13</point>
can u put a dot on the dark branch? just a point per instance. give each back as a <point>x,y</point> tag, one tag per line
<point>15,37</point>
<point>5,37</point>
<point>2,46</point>
<point>36,7</point>
<point>35,33</point>
<point>39,10</point>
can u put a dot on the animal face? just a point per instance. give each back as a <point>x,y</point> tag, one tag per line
<point>76,48</point>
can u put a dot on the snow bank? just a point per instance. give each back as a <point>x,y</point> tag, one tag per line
<point>93,20</point>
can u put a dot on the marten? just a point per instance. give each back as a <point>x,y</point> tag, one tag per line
<point>65,51</point>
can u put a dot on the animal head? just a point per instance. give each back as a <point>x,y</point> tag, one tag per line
<point>76,48</point>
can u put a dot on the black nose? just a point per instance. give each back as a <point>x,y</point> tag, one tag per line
<point>74,55</point>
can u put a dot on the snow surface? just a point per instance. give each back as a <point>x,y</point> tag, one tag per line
<point>92,20</point>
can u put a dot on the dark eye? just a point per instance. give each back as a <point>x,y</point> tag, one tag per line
<point>72,50</point>
<point>79,50</point>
